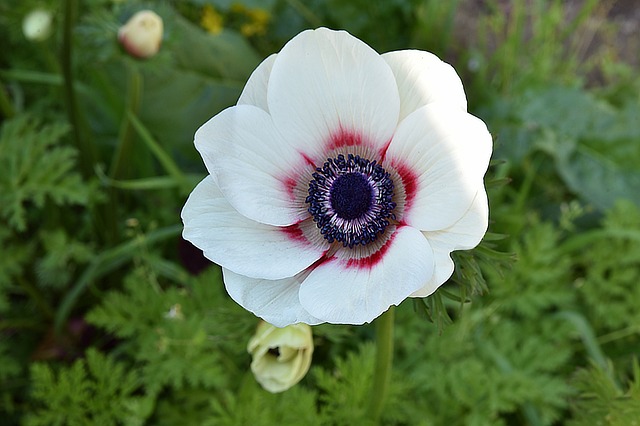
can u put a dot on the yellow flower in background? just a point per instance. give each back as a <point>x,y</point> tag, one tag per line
<point>257,25</point>
<point>211,20</point>
<point>256,20</point>
<point>281,356</point>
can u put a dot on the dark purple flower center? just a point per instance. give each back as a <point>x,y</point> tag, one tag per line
<point>351,195</point>
<point>351,200</point>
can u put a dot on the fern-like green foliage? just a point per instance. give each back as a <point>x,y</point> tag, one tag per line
<point>294,407</point>
<point>62,256</point>
<point>10,372</point>
<point>180,336</point>
<point>484,367</point>
<point>497,360</point>
<point>345,391</point>
<point>36,168</point>
<point>540,281</point>
<point>603,402</point>
<point>498,363</point>
<point>9,366</point>
<point>96,390</point>
<point>611,264</point>
<point>12,263</point>
<point>341,399</point>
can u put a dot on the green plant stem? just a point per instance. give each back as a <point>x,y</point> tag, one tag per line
<point>106,262</point>
<point>121,164</point>
<point>619,334</point>
<point>104,223</point>
<point>84,145</point>
<point>384,361</point>
<point>21,324</point>
<point>123,151</point>
<point>159,153</point>
<point>588,337</point>
<point>47,51</point>
<point>6,107</point>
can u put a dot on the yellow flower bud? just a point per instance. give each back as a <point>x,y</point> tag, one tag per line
<point>141,36</point>
<point>281,356</point>
<point>37,25</point>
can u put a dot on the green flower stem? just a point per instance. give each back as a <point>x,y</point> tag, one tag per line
<point>589,339</point>
<point>619,334</point>
<point>104,221</point>
<point>47,50</point>
<point>82,142</point>
<point>384,361</point>
<point>163,157</point>
<point>123,151</point>
<point>6,106</point>
<point>21,324</point>
<point>105,262</point>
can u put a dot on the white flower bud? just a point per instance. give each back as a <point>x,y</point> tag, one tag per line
<point>281,356</point>
<point>37,25</point>
<point>141,36</point>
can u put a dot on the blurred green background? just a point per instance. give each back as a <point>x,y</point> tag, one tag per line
<point>107,317</point>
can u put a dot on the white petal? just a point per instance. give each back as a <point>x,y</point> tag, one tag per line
<point>328,89</point>
<point>240,244</point>
<point>423,78</point>
<point>441,273</point>
<point>255,91</point>
<point>468,231</point>
<point>276,302</point>
<point>355,292</point>
<point>441,154</point>
<point>465,234</point>
<point>253,166</point>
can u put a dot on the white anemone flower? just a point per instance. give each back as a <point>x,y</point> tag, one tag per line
<point>341,181</point>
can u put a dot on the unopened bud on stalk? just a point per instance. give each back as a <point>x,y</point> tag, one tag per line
<point>281,356</point>
<point>141,36</point>
<point>37,25</point>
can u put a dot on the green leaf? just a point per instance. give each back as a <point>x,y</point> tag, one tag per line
<point>539,280</point>
<point>295,406</point>
<point>62,257</point>
<point>602,402</point>
<point>106,262</point>
<point>35,168</point>
<point>346,387</point>
<point>12,264</point>
<point>227,56</point>
<point>597,177</point>
<point>10,366</point>
<point>608,285</point>
<point>570,111</point>
<point>95,390</point>
<point>182,337</point>
<point>594,145</point>
<point>208,76</point>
